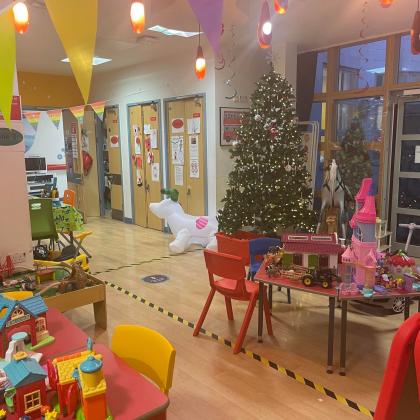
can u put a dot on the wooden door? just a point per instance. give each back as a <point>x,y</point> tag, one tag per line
<point>113,151</point>
<point>146,168</point>
<point>186,149</point>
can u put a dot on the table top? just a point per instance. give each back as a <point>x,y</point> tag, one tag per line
<point>67,218</point>
<point>129,394</point>
<point>262,277</point>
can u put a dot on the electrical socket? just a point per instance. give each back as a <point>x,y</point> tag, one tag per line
<point>19,257</point>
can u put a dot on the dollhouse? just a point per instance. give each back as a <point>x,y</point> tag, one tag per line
<point>28,315</point>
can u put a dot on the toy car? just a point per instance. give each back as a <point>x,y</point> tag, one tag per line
<point>323,276</point>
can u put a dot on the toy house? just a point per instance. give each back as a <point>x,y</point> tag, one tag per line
<point>78,379</point>
<point>28,315</point>
<point>27,378</point>
<point>311,250</point>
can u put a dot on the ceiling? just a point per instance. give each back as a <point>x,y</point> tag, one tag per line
<point>311,24</point>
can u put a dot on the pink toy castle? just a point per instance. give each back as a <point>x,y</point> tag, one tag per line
<point>362,254</point>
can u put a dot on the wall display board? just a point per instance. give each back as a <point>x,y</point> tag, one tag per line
<point>230,122</point>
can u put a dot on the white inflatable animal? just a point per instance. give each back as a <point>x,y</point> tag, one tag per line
<point>186,228</point>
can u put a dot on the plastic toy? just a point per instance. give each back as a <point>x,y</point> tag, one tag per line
<point>187,229</point>
<point>324,276</point>
<point>3,414</point>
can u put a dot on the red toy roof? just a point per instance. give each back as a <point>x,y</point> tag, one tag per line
<point>311,243</point>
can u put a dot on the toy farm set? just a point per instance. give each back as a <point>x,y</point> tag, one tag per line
<point>73,384</point>
<point>359,269</point>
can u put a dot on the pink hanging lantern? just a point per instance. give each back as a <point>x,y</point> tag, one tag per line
<point>264,30</point>
<point>281,6</point>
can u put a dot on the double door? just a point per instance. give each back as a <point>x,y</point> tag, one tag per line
<point>146,171</point>
<point>406,180</point>
<point>186,152</point>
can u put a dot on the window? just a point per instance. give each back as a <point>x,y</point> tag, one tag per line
<point>411,124</point>
<point>362,66</point>
<point>324,261</point>
<point>32,401</point>
<point>321,72</point>
<point>409,64</point>
<point>297,259</point>
<point>297,237</point>
<point>40,325</point>
<point>17,313</point>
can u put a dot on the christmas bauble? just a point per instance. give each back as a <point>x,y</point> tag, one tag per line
<point>288,168</point>
<point>257,117</point>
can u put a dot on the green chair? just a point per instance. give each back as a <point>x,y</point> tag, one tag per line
<point>42,220</point>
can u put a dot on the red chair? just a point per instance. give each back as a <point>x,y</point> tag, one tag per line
<point>233,246</point>
<point>232,285</point>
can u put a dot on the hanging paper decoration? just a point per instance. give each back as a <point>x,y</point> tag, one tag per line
<point>78,112</point>
<point>281,6</point>
<point>99,107</point>
<point>7,63</point>
<point>137,16</point>
<point>386,3</point>
<point>55,116</point>
<point>415,34</point>
<point>21,17</point>
<point>209,15</point>
<point>76,23</point>
<point>32,118</point>
<point>264,30</point>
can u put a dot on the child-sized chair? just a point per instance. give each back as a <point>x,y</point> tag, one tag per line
<point>42,220</point>
<point>257,249</point>
<point>147,352</point>
<point>69,198</point>
<point>232,285</point>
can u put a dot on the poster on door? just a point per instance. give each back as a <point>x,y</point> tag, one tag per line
<point>177,125</point>
<point>194,168</point>
<point>179,175</point>
<point>194,124</point>
<point>155,172</point>
<point>177,150</point>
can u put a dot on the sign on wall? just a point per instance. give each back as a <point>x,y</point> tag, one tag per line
<point>230,122</point>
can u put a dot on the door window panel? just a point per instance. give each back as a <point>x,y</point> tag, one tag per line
<point>410,160</point>
<point>402,232</point>
<point>411,123</point>
<point>409,193</point>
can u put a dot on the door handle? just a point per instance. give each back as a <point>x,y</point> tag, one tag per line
<point>188,190</point>
<point>147,187</point>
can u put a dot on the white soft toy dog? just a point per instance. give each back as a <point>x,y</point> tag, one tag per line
<point>186,228</point>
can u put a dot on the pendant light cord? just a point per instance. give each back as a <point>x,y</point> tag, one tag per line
<point>199,33</point>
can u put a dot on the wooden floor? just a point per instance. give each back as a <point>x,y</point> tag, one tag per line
<point>209,381</point>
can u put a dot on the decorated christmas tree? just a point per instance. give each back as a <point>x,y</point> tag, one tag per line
<point>353,159</point>
<point>268,186</point>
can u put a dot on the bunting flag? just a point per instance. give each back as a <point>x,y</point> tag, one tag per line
<point>7,63</point>
<point>76,23</point>
<point>79,112</point>
<point>55,116</point>
<point>209,14</point>
<point>99,107</point>
<point>32,118</point>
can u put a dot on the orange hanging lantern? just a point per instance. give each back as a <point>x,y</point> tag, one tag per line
<point>386,3</point>
<point>281,6</point>
<point>200,64</point>
<point>415,34</point>
<point>21,17</point>
<point>137,16</point>
<point>264,29</point>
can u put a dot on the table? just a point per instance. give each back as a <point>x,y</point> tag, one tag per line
<point>333,295</point>
<point>67,219</point>
<point>129,394</point>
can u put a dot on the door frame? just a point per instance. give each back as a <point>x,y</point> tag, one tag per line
<point>121,159</point>
<point>398,110</point>
<point>162,166</point>
<point>167,169</point>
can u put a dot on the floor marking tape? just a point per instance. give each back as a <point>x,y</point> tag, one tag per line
<point>255,356</point>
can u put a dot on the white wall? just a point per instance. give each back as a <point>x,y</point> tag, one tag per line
<point>169,78</point>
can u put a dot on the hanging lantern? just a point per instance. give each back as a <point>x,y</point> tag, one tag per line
<point>264,30</point>
<point>386,3</point>
<point>21,17</point>
<point>415,34</point>
<point>281,6</point>
<point>137,16</point>
<point>200,64</point>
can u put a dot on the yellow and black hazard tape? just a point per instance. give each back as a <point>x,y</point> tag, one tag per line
<point>255,356</point>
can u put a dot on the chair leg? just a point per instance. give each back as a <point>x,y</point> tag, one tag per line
<point>267,314</point>
<point>204,312</point>
<point>270,296</point>
<point>229,310</point>
<point>245,325</point>
<point>289,297</point>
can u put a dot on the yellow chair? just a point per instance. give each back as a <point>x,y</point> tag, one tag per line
<point>147,352</point>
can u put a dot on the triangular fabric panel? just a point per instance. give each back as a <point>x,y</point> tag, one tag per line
<point>78,112</point>
<point>55,116</point>
<point>7,63</point>
<point>99,107</point>
<point>209,14</point>
<point>32,118</point>
<point>76,23</point>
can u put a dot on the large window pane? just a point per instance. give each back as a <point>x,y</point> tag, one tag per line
<point>362,65</point>
<point>409,157</point>
<point>321,72</point>
<point>408,193</point>
<point>409,66</point>
<point>359,124</point>
<point>411,124</point>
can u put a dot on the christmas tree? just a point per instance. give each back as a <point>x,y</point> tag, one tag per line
<point>353,159</point>
<point>268,186</point>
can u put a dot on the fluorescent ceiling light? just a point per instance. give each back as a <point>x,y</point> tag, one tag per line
<point>172,32</point>
<point>95,61</point>
<point>377,70</point>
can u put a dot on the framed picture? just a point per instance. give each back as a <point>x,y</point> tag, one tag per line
<point>230,122</point>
